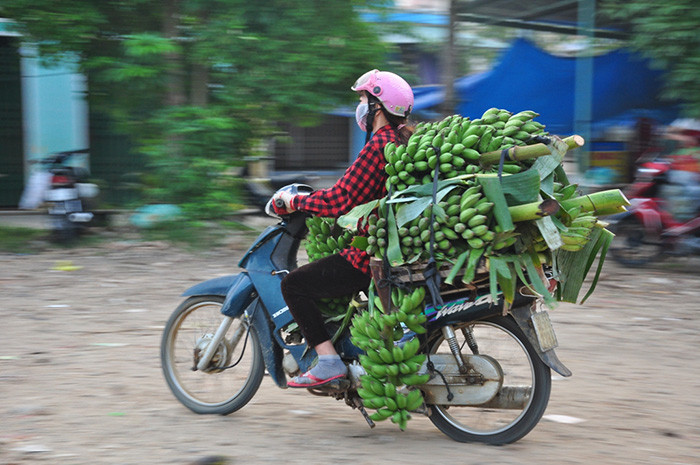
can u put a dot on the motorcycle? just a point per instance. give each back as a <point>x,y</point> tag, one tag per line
<point>664,215</point>
<point>489,370</point>
<point>67,196</point>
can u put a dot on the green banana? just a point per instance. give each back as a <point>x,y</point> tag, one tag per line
<point>415,380</point>
<point>411,348</point>
<point>397,354</point>
<point>381,414</point>
<point>468,201</point>
<point>476,220</point>
<point>374,402</point>
<point>467,214</point>
<point>414,399</point>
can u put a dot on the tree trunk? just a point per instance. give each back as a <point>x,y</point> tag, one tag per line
<point>175,93</point>
<point>199,85</point>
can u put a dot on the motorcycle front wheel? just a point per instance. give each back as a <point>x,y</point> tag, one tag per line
<point>525,377</point>
<point>235,371</point>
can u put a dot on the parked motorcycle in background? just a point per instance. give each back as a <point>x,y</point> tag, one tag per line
<point>664,216</point>
<point>66,194</point>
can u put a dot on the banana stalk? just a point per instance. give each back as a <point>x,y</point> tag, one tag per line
<point>598,202</point>
<point>534,210</point>
<point>527,152</point>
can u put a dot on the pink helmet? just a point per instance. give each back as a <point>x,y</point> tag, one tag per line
<point>391,89</point>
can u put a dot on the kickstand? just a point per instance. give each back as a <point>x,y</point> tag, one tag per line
<point>361,408</point>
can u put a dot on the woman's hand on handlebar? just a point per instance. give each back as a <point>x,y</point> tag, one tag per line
<point>282,203</point>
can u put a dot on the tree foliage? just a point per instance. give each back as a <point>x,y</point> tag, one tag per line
<point>197,83</point>
<point>667,32</point>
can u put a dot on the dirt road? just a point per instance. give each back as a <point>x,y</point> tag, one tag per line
<point>80,379</point>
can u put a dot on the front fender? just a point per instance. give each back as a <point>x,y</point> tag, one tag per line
<point>238,290</point>
<point>216,286</point>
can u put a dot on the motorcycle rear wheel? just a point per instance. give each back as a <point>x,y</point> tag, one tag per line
<point>632,245</point>
<point>217,389</point>
<point>501,338</point>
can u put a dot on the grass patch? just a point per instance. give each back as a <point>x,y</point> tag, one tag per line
<point>21,240</point>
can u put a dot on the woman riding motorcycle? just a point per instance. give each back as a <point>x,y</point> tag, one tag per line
<point>386,100</point>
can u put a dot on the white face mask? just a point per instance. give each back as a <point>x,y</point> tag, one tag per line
<point>361,113</point>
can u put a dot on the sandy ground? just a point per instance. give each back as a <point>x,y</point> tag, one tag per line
<point>80,379</point>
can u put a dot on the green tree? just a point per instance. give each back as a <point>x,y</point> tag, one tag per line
<point>666,32</point>
<point>198,83</point>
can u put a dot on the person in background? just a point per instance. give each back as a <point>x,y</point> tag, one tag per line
<point>386,100</point>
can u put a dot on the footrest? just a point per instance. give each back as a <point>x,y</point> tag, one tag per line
<point>334,387</point>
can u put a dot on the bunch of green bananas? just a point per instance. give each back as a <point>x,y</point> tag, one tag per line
<point>334,307</point>
<point>464,225</point>
<point>325,238</point>
<point>562,192</point>
<point>578,230</point>
<point>377,235</point>
<point>388,365</point>
<point>453,146</point>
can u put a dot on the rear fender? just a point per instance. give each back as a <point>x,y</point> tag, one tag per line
<point>549,357</point>
<point>646,211</point>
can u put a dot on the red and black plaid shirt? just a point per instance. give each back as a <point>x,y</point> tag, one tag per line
<point>363,181</point>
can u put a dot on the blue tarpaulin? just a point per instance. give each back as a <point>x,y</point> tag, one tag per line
<point>625,87</point>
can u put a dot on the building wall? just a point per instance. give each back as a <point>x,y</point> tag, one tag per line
<point>55,108</point>
<point>42,111</point>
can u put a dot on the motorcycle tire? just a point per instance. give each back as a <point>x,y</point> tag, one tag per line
<point>523,370</point>
<point>236,370</point>
<point>632,245</point>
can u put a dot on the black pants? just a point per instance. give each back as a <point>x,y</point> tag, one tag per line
<point>329,277</point>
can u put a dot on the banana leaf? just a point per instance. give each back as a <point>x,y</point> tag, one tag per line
<point>549,232</point>
<point>500,274</point>
<point>422,190</point>
<point>547,186</point>
<point>492,190</point>
<point>531,262</point>
<point>439,212</point>
<point>351,218</point>
<point>472,263</point>
<point>410,211</point>
<point>345,318</point>
<point>561,175</point>
<point>457,266</point>
<point>545,166</point>
<point>603,244</point>
<point>360,242</point>
<point>573,267</point>
<point>520,188</point>
<point>393,248</point>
